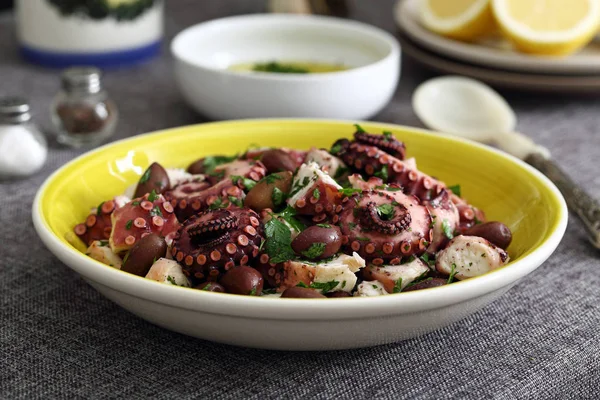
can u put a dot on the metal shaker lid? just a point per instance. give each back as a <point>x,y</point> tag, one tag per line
<point>14,110</point>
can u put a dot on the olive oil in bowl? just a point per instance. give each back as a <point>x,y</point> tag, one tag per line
<point>286,67</point>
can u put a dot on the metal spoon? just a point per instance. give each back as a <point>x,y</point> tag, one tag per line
<point>470,109</point>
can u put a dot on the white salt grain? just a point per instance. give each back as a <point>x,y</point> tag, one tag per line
<point>21,154</point>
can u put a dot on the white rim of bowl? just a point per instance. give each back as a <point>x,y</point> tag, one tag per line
<point>374,32</point>
<point>301,309</point>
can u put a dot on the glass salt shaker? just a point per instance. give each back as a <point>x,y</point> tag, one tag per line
<point>23,148</point>
<point>81,111</point>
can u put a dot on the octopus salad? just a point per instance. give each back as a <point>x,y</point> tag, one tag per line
<point>358,219</point>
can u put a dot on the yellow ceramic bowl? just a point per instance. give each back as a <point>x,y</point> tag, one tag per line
<point>507,190</point>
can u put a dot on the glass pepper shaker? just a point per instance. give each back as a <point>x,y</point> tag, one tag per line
<point>81,111</point>
<point>23,148</point>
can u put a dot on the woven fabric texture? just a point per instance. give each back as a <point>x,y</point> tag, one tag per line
<point>60,339</point>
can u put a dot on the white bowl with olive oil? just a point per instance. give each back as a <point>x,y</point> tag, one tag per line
<point>279,65</point>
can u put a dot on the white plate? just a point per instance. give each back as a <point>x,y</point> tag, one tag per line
<point>494,52</point>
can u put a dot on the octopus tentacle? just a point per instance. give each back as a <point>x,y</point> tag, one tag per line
<point>212,242</point>
<point>386,142</point>
<point>398,221</point>
<point>385,226</point>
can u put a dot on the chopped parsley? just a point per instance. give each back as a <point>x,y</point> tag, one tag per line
<point>248,183</point>
<point>397,286</point>
<point>279,241</point>
<point>171,280</point>
<point>253,292</point>
<point>145,176</point>
<point>218,203</point>
<point>152,196</point>
<point>298,186</point>
<point>99,209</point>
<point>324,225</point>
<point>455,189</point>
<point>386,211</point>
<point>324,286</point>
<point>277,196</point>
<point>387,136</point>
<point>270,179</point>
<point>317,194</point>
<point>314,251</point>
<point>155,211</point>
<point>452,273</point>
<point>363,239</point>
<point>349,191</point>
<point>359,128</point>
<point>281,68</point>
<point>211,162</point>
<point>234,200</point>
<point>447,229</point>
<point>128,224</point>
<point>103,243</point>
<point>383,173</point>
<point>336,148</point>
<point>428,259</point>
<point>207,287</point>
<point>288,214</point>
<point>351,225</point>
<point>135,203</point>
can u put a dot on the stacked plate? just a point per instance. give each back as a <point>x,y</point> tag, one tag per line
<point>493,61</point>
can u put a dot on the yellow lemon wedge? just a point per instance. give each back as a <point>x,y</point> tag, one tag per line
<point>458,19</point>
<point>548,27</point>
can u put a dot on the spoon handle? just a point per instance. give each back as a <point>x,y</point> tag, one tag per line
<point>584,205</point>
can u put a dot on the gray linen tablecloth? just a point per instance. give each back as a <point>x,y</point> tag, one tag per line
<point>60,339</point>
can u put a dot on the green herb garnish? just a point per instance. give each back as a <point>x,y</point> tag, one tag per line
<point>277,196</point>
<point>248,183</point>
<point>135,203</point>
<point>324,225</point>
<point>145,176</point>
<point>447,229</point>
<point>336,148</point>
<point>279,240</point>
<point>452,273</point>
<point>280,68</point>
<point>386,211</point>
<point>324,286</point>
<point>315,250</point>
<point>387,136</point>
<point>349,191</point>
<point>270,179</point>
<point>103,243</point>
<point>234,200</point>
<point>99,209</point>
<point>218,203</point>
<point>211,162</point>
<point>152,196</point>
<point>317,194</point>
<point>383,173</point>
<point>171,280</point>
<point>155,211</point>
<point>253,292</point>
<point>359,128</point>
<point>288,215</point>
<point>397,286</point>
<point>455,189</point>
<point>128,224</point>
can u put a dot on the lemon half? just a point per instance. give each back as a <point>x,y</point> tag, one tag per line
<point>548,27</point>
<point>458,19</point>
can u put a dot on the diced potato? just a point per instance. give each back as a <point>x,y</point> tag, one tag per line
<point>370,289</point>
<point>169,272</point>
<point>100,250</point>
<point>396,277</point>
<point>470,256</point>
